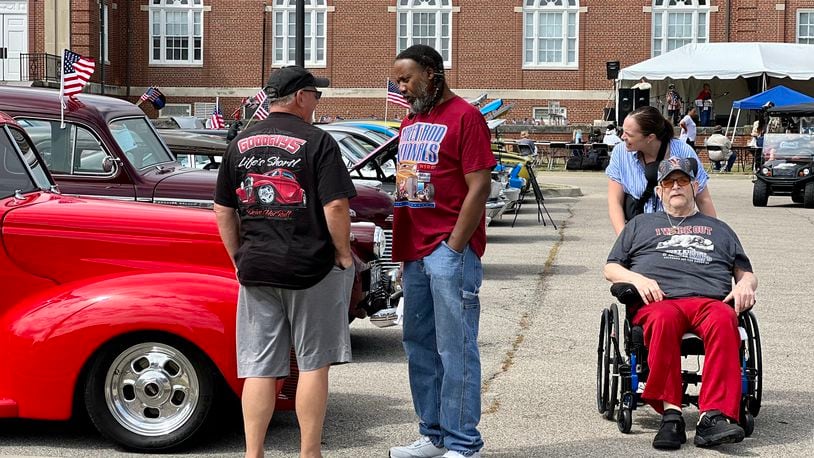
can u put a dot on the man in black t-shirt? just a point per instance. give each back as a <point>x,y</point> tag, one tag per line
<point>283,214</point>
<point>682,264</point>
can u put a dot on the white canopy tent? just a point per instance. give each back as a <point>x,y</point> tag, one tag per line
<point>697,63</point>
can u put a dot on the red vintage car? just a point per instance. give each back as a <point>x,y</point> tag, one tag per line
<point>278,186</point>
<point>125,310</point>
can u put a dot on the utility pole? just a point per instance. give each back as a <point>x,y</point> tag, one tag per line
<point>299,50</point>
<point>102,28</point>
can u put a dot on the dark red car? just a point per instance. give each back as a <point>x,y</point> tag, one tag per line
<point>279,186</point>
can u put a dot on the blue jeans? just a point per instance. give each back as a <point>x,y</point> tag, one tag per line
<point>441,316</point>
<point>729,162</point>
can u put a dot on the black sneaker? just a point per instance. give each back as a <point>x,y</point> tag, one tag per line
<point>671,431</point>
<point>716,429</point>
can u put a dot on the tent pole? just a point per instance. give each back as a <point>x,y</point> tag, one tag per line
<point>729,122</point>
<point>735,128</point>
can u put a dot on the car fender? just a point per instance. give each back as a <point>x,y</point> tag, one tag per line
<point>50,337</point>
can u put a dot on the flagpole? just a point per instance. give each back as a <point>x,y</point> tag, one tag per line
<point>62,93</point>
<point>139,99</point>
<point>385,98</point>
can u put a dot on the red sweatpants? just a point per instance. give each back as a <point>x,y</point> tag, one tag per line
<point>717,325</point>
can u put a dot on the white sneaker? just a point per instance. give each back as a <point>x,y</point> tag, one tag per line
<point>422,448</point>
<point>454,454</point>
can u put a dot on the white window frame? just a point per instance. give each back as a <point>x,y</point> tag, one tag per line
<point>807,39</point>
<point>533,10</point>
<point>663,10</point>
<point>203,110</point>
<point>158,10</point>
<point>553,114</point>
<point>283,25</point>
<point>406,13</point>
<point>163,113</point>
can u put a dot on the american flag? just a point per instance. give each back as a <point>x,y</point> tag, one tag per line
<point>216,119</point>
<point>150,94</point>
<point>239,110</point>
<point>76,72</point>
<point>394,95</point>
<point>261,112</point>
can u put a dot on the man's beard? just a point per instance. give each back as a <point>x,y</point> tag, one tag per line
<point>424,100</point>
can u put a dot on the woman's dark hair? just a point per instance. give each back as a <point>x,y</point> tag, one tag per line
<point>651,121</point>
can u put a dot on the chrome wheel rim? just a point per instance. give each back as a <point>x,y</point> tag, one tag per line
<point>265,194</point>
<point>151,389</point>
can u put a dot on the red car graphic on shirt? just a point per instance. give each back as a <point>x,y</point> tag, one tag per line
<point>279,186</point>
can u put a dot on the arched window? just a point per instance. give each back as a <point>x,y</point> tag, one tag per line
<point>427,22</point>
<point>284,25</point>
<point>550,30</point>
<point>679,22</point>
<point>176,31</point>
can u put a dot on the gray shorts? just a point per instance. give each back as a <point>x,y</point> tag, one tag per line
<point>314,321</point>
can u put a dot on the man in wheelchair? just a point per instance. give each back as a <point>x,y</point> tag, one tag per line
<point>682,262</point>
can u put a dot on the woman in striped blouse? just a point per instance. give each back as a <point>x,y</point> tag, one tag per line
<point>645,129</point>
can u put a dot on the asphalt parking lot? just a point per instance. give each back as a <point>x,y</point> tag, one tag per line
<point>541,299</point>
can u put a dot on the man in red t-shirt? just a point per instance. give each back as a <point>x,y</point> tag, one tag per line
<point>439,233</point>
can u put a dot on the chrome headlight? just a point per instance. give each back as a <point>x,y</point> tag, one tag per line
<point>805,172</point>
<point>379,242</point>
<point>765,171</point>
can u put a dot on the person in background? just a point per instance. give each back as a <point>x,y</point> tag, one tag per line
<point>719,139</point>
<point>673,104</point>
<point>611,137</point>
<point>525,140</point>
<point>706,109</point>
<point>643,84</point>
<point>688,129</point>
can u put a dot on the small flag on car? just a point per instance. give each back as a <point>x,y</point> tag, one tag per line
<point>154,96</point>
<point>260,98</point>
<point>216,119</point>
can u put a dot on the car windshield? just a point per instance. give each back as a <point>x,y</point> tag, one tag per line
<point>139,142</point>
<point>789,147</point>
<point>20,170</point>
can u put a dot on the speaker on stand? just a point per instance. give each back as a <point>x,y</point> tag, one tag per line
<point>625,104</point>
<point>612,72</point>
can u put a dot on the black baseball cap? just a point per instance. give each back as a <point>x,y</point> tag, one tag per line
<point>288,80</point>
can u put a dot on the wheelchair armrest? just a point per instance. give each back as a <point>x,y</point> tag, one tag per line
<point>629,296</point>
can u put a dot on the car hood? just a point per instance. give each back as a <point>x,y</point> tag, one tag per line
<point>373,205</point>
<point>185,187</point>
<point>389,149</point>
<point>69,238</point>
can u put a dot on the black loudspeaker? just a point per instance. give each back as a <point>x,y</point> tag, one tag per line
<point>641,98</point>
<point>626,102</point>
<point>612,69</point>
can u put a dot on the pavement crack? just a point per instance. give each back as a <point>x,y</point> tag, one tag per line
<point>526,318</point>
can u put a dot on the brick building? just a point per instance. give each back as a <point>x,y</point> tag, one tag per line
<point>544,56</point>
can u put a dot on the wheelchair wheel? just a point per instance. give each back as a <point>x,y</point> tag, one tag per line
<point>747,422</point>
<point>612,341</point>
<point>602,376</point>
<point>754,364</point>
<point>624,420</point>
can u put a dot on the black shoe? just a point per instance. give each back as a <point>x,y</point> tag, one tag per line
<point>716,429</point>
<point>671,432</point>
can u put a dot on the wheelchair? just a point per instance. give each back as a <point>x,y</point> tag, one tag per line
<point>620,377</point>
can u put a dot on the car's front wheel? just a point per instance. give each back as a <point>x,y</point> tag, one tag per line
<point>150,395</point>
<point>266,193</point>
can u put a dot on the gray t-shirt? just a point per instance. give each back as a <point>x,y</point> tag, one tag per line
<point>697,259</point>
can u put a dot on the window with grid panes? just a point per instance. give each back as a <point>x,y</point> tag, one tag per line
<point>426,22</point>
<point>176,31</point>
<point>284,25</point>
<point>679,22</point>
<point>550,29</point>
<point>805,26</point>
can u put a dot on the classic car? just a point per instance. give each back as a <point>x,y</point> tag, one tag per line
<point>196,150</point>
<point>277,186</point>
<point>110,149</point>
<point>123,310</point>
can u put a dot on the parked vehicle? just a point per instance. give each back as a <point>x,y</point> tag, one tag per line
<point>195,150</point>
<point>126,309</point>
<point>110,149</point>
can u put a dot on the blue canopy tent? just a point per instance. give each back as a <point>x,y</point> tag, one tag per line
<point>778,95</point>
